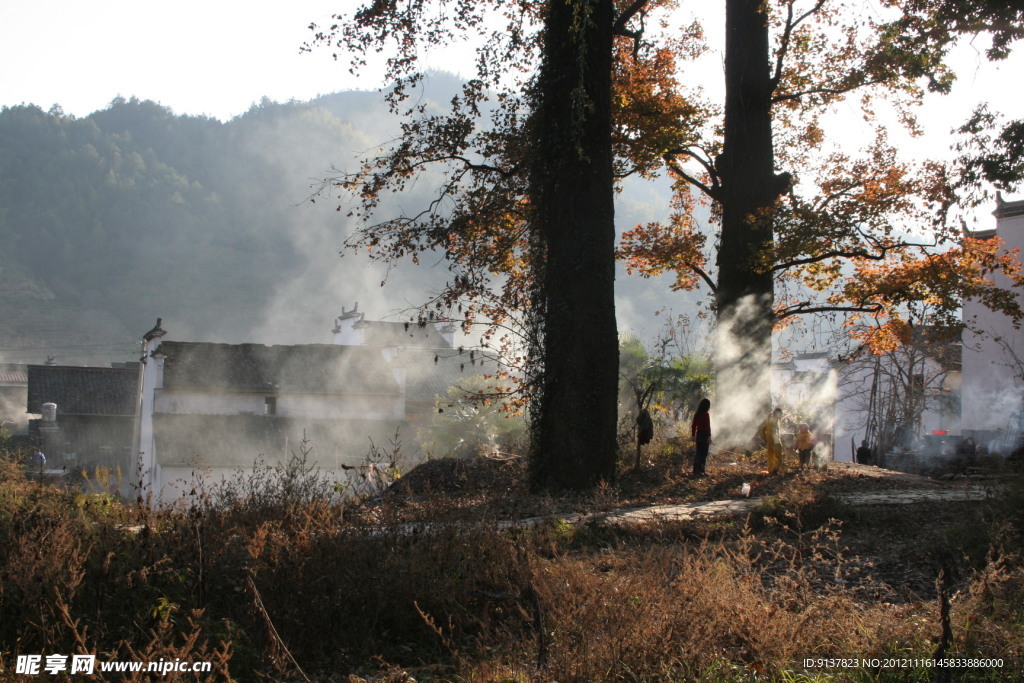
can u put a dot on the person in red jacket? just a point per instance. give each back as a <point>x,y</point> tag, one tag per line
<point>700,430</point>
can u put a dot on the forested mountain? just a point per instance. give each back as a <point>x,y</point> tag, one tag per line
<point>108,221</point>
<point>133,212</point>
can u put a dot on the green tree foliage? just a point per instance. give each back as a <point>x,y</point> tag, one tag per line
<point>667,378</point>
<point>992,151</point>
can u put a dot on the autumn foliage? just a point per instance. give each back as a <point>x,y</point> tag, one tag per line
<point>855,229</point>
<point>857,232</point>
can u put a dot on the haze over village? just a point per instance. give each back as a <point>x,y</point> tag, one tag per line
<point>663,304</point>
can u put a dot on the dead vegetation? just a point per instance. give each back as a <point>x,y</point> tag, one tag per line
<point>300,586</point>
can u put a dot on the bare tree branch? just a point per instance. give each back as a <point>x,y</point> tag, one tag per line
<point>673,164</point>
<point>805,307</point>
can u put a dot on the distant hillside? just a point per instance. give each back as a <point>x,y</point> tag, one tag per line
<point>132,213</point>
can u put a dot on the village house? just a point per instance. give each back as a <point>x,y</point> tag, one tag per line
<point>208,410</point>
<point>191,413</point>
<point>993,363</point>
<point>423,354</point>
<point>87,415</point>
<point>933,401</point>
<point>806,386</point>
<point>904,403</point>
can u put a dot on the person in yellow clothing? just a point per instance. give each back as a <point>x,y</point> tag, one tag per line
<point>804,444</point>
<point>771,433</point>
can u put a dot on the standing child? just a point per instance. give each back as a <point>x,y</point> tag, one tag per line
<point>804,444</point>
<point>700,430</point>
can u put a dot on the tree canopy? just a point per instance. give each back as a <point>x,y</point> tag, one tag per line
<point>801,223</point>
<point>525,194</point>
<point>859,233</point>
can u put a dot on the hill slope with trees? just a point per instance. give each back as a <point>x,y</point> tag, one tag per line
<point>133,212</point>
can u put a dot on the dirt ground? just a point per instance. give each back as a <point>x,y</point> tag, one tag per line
<point>497,487</point>
<point>893,552</point>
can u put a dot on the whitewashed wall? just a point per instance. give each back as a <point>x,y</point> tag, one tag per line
<point>992,387</point>
<point>314,407</point>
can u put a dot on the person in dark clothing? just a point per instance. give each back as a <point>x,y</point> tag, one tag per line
<point>864,453</point>
<point>644,427</point>
<point>644,432</point>
<point>700,430</point>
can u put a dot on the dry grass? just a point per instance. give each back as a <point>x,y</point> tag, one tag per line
<point>297,586</point>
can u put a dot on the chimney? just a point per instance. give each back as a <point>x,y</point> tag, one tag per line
<point>350,328</point>
<point>49,432</point>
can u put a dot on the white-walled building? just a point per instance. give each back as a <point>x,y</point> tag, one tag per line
<point>993,363</point>
<point>208,410</point>
<point>908,395</point>
<point>805,388</point>
<point>213,409</point>
<point>351,328</point>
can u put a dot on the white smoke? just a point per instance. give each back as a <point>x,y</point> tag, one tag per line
<point>736,408</point>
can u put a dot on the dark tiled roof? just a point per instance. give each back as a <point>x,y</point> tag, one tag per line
<point>1006,209</point>
<point>255,368</point>
<point>82,391</point>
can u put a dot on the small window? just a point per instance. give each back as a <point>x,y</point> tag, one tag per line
<point>270,405</point>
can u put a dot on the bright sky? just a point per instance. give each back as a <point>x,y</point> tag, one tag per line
<point>213,57</point>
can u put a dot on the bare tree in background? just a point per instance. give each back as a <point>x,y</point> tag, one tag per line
<point>894,390</point>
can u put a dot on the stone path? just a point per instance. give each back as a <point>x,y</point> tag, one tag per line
<point>662,513</point>
<point>733,506</point>
<point>737,506</point>
<point>908,496</point>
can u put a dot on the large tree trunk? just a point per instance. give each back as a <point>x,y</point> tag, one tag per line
<point>749,189</point>
<point>572,191</point>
